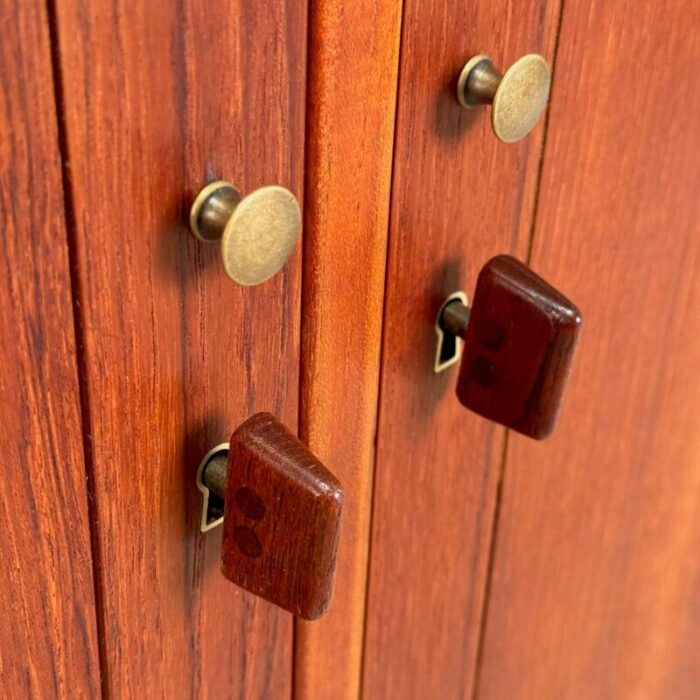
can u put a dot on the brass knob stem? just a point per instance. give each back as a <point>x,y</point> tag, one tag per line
<point>518,97</point>
<point>455,318</point>
<point>212,209</point>
<point>480,83</point>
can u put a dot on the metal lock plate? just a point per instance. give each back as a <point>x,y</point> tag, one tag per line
<point>212,504</point>
<point>449,346</point>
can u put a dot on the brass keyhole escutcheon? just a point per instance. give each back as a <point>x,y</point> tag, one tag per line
<point>257,233</point>
<point>517,98</point>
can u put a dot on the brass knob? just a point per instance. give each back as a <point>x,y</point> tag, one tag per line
<point>257,232</point>
<point>517,98</point>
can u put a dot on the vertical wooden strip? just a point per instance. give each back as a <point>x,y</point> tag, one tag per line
<point>595,580</point>
<point>161,97</point>
<point>48,634</point>
<point>352,97</point>
<point>459,197</point>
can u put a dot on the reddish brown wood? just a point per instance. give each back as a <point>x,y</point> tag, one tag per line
<point>459,197</point>
<point>353,76</point>
<point>595,589</point>
<point>517,348</point>
<point>161,97</point>
<point>48,629</point>
<point>281,520</point>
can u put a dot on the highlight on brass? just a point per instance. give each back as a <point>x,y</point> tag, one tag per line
<point>257,233</point>
<point>517,98</point>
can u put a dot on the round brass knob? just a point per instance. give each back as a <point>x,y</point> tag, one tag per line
<point>257,232</point>
<point>517,98</point>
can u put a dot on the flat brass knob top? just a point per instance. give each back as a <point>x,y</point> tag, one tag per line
<point>518,97</point>
<point>257,232</point>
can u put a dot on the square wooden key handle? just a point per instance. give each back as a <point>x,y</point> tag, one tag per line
<point>519,337</point>
<point>281,515</point>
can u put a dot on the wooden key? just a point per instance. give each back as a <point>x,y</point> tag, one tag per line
<point>519,336</point>
<point>282,511</point>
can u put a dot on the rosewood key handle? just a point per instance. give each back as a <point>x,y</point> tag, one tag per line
<point>281,515</point>
<point>519,337</point>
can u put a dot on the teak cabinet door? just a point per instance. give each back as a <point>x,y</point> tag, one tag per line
<point>594,591</point>
<point>158,99</point>
<point>353,73</point>
<point>48,627</point>
<point>502,567</point>
<point>459,197</point>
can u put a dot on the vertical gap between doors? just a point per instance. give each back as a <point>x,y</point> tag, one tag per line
<point>76,297</point>
<point>543,148</point>
<point>302,295</point>
<point>380,375</point>
<point>489,565</point>
<point>504,457</point>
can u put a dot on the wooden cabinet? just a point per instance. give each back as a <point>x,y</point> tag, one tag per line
<point>474,562</point>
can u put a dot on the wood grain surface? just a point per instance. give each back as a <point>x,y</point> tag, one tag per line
<point>352,99</point>
<point>159,98</point>
<point>595,581</point>
<point>48,633</point>
<point>518,348</point>
<point>282,518</point>
<point>459,197</point>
